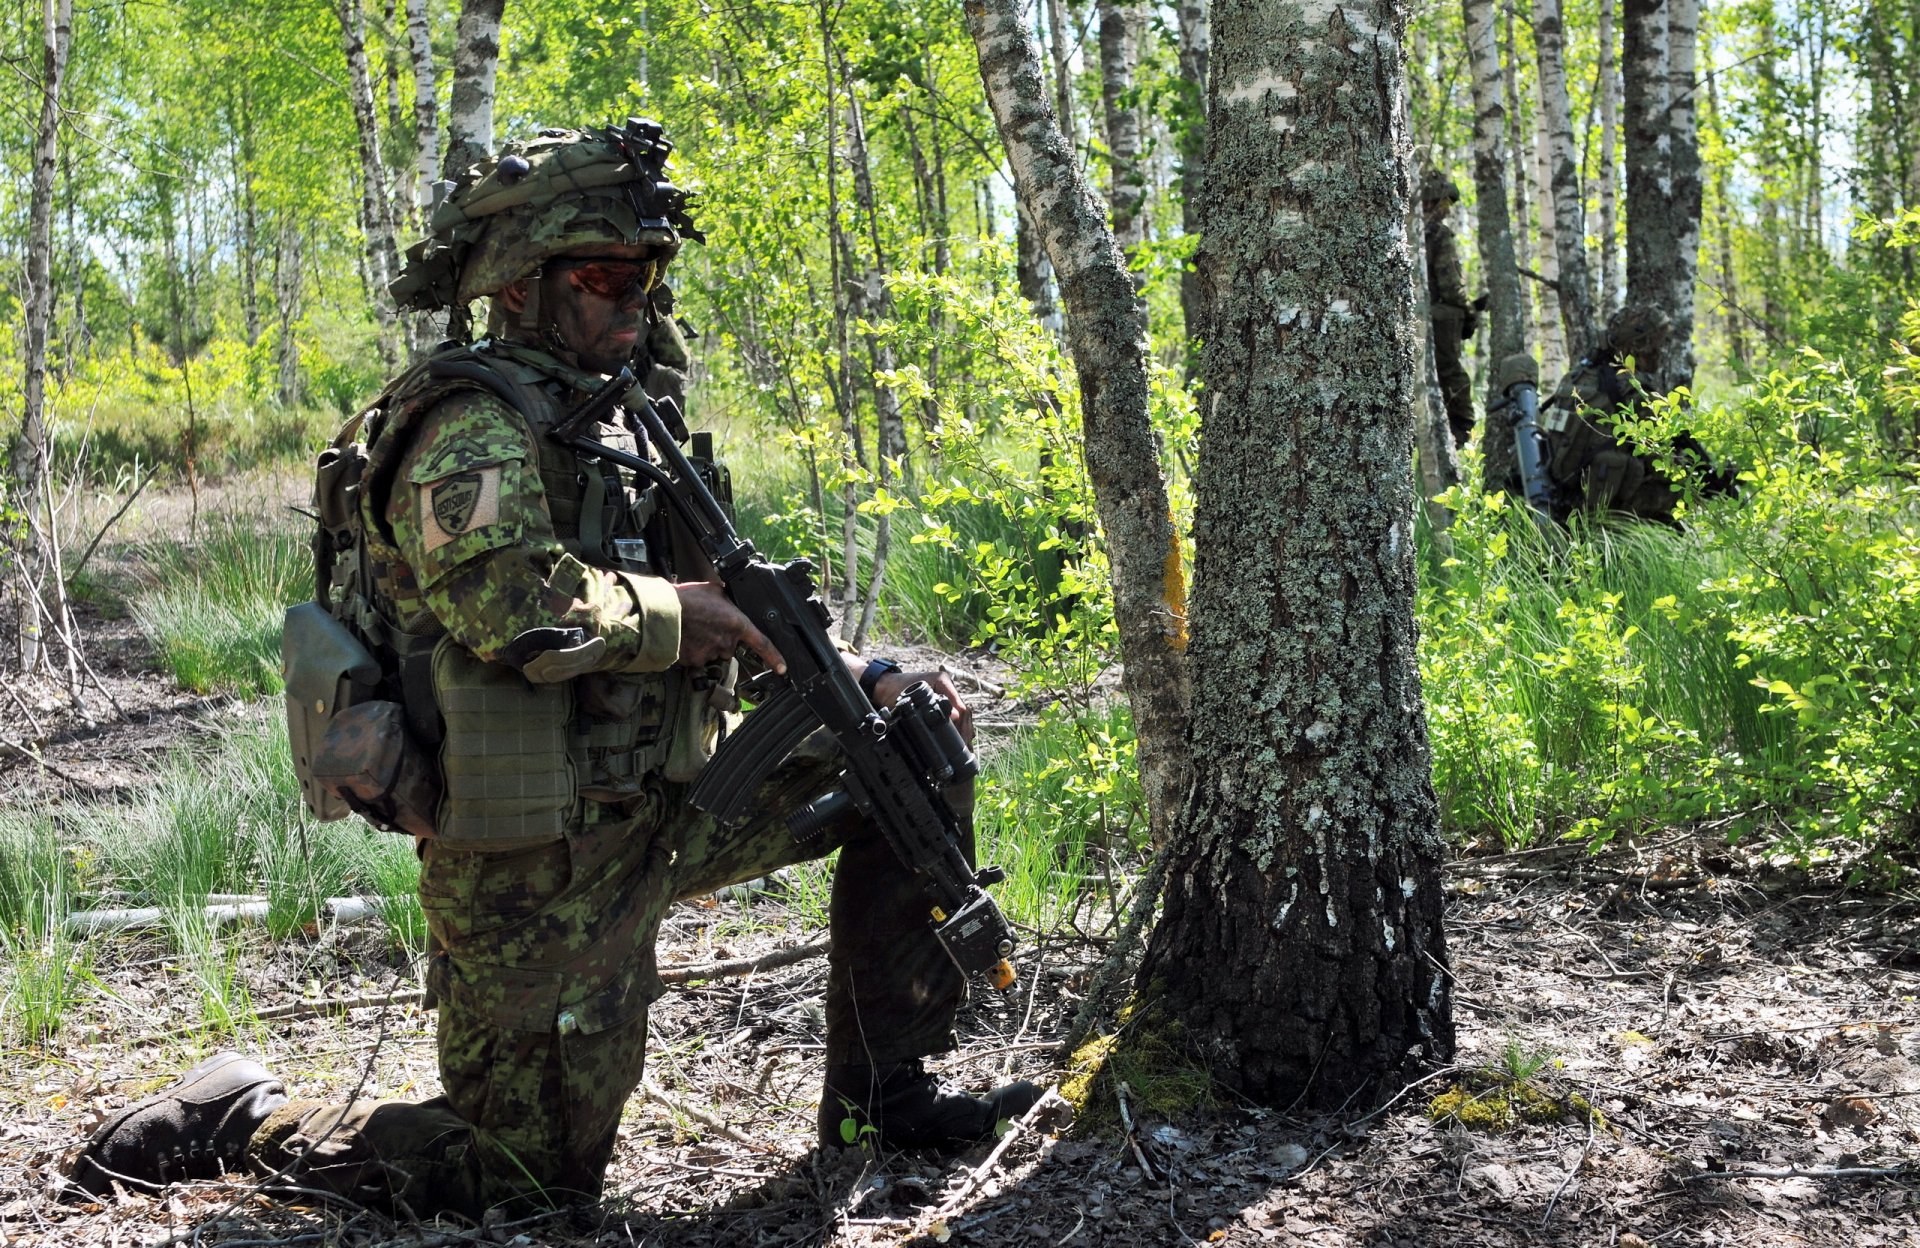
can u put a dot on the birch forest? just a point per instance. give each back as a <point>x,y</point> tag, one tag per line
<point>1423,498</point>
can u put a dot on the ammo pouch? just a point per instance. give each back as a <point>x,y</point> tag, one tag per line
<point>369,760</point>
<point>510,781</point>
<point>351,752</point>
<point>327,670</point>
<point>697,722</point>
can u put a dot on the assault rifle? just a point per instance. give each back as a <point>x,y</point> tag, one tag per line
<point>898,761</point>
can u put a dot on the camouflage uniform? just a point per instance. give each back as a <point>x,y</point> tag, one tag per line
<point>1594,469</point>
<point>563,835</point>
<point>1454,319</point>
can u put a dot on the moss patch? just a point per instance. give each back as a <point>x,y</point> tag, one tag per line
<point>1488,1103</point>
<point>1151,1055</point>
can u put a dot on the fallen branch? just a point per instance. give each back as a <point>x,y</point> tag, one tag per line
<point>707,1120</point>
<point>1797,1172</point>
<point>41,760</point>
<point>338,1005</point>
<point>1133,1137</point>
<point>743,966</point>
<point>254,910</point>
<point>112,520</point>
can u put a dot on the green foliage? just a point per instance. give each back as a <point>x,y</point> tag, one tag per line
<point>44,969</point>
<point>217,609</point>
<point>1583,687</point>
<point>1821,590</point>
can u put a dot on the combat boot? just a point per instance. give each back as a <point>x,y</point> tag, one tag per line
<point>196,1127</point>
<point>900,1105</point>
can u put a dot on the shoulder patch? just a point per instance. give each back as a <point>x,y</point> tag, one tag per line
<point>459,504</point>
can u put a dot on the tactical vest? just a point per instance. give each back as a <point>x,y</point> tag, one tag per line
<point>517,763</point>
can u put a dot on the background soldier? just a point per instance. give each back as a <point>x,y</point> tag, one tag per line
<point>1592,465</point>
<point>1455,317</point>
<point>554,646</point>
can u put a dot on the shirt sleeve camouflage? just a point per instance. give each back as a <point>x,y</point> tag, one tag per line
<point>471,519</point>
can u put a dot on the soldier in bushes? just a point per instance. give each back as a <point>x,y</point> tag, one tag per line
<point>1593,465</point>
<point>548,644</point>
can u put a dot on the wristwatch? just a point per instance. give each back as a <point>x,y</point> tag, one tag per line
<point>870,679</point>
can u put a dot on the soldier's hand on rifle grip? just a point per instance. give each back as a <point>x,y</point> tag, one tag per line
<point>712,628</point>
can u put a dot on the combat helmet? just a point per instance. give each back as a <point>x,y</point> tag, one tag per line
<point>560,191</point>
<point>1436,186</point>
<point>1636,329</point>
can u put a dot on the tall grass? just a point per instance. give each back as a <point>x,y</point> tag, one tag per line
<point>1583,682</point>
<point>216,608</point>
<point>45,970</point>
<point>1054,810</point>
<point>227,818</point>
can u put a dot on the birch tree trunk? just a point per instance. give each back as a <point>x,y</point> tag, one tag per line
<point>1517,163</point>
<point>1504,325</point>
<point>1651,237</point>
<point>286,302</point>
<point>476,50</point>
<point>1062,71</point>
<point>877,308</point>
<point>376,216</point>
<point>1438,461</point>
<point>1119,58</point>
<point>1551,333</point>
<point>426,112</point>
<point>30,448</point>
<point>1107,338</point>
<point>1608,89</point>
<point>1563,173</point>
<point>1683,44</point>
<point>1302,937</point>
<point>1196,50</point>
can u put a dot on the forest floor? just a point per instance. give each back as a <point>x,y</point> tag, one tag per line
<point>1666,1043</point>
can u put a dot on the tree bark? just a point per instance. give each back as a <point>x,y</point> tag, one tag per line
<point>287,290</point>
<point>1608,89</point>
<point>376,205</point>
<point>1563,173</point>
<point>1196,50</point>
<point>476,50</point>
<point>876,307</point>
<point>1652,239</point>
<point>1119,58</point>
<point>1518,164</point>
<point>1549,327</point>
<point>426,112</point>
<point>30,448</point>
<point>1301,944</point>
<point>1505,330</point>
<point>1434,451</point>
<point>1062,70</point>
<point>1107,338</point>
<point>1683,45</point>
